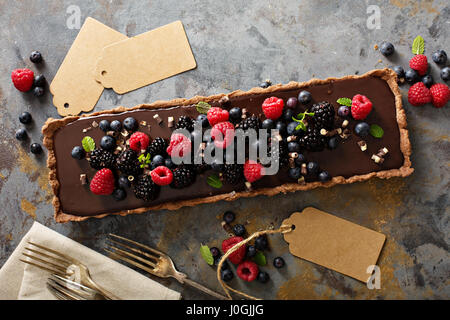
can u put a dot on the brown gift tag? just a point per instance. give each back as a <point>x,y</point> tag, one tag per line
<point>74,88</point>
<point>145,59</point>
<point>333,242</point>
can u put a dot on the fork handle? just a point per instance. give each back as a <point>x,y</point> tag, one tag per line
<point>204,289</point>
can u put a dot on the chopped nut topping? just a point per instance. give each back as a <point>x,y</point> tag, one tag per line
<point>224,100</point>
<point>301,180</point>
<point>83,179</point>
<point>94,124</point>
<point>291,163</point>
<point>293,155</point>
<point>345,124</point>
<point>158,118</point>
<point>226,227</point>
<point>170,122</point>
<point>377,159</point>
<point>143,123</point>
<point>362,145</point>
<point>303,169</point>
<point>291,138</point>
<point>248,185</point>
<point>86,129</point>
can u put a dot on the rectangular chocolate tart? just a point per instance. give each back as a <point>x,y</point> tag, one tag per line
<point>346,164</point>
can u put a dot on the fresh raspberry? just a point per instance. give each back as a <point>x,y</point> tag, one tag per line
<point>419,63</point>
<point>22,79</point>
<point>237,256</point>
<point>440,94</point>
<point>223,134</point>
<point>139,141</point>
<point>273,107</point>
<point>247,271</point>
<point>179,145</point>
<point>216,115</point>
<point>361,107</point>
<point>253,170</point>
<point>419,94</point>
<point>162,176</point>
<point>103,182</point>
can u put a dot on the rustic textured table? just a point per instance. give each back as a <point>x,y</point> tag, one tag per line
<point>237,45</point>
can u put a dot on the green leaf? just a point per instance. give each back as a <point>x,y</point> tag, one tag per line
<point>202,107</point>
<point>214,181</point>
<point>206,254</point>
<point>418,46</point>
<point>301,125</point>
<point>88,144</point>
<point>345,101</point>
<point>260,259</point>
<point>376,131</point>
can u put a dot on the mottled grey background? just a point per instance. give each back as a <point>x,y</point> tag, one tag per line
<point>238,44</point>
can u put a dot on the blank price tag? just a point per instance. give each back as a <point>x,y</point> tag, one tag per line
<point>145,59</point>
<point>333,242</point>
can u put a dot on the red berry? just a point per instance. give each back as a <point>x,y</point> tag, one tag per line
<point>253,170</point>
<point>139,141</point>
<point>237,256</point>
<point>22,79</point>
<point>223,134</point>
<point>419,63</point>
<point>273,107</point>
<point>440,94</point>
<point>103,182</point>
<point>419,94</point>
<point>216,115</point>
<point>247,271</point>
<point>162,176</point>
<point>361,107</point>
<point>179,146</point>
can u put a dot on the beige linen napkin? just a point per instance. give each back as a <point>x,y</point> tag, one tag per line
<point>19,280</point>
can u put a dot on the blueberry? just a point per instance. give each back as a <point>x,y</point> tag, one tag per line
<point>104,125</point>
<point>333,143</point>
<point>119,194</point>
<point>21,135</point>
<point>116,125</point>
<point>293,146</point>
<point>38,91</point>
<point>411,76</point>
<point>294,173</point>
<point>281,127</point>
<point>300,159</point>
<point>39,81</point>
<point>225,265</point>
<point>263,277</point>
<point>36,57</point>
<point>278,262</point>
<point>268,124</point>
<point>324,176</point>
<point>169,163</point>
<point>343,111</point>
<point>226,275</point>
<point>207,136</point>
<point>304,97</point>
<point>130,124</point>
<point>235,114</point>
<point>203,120</point>
<point>265,84</point>
<point>288,114</point>
<point>291,103</point>
<point>157,161</point>
<point>78,153</point>
<point>440,57</point>
<point>216,165</point>
<point>25,118</point>
<point>215,253</point>
<point>239,230</point>
<point>35,148</point>
<point>312,168</point>
<point>261,242</point>
<point>251,251</point>
<point>362,129</point>
<point>108,143</point>
<point>387,49</point>
<point>445,73</point>
<point>399,71</point>
<point>123,182</point>
<point>228,216</point>
<point>292,129</point>
<point>427,80</point>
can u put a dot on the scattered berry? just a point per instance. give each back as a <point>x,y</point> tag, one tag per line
<point>235,114</point>
<point>278,262</point>
<point>261,242</point>
<point>119,194</point>
<point>228,216</point>
<point>263,277</point>
<point>36,57</point>
<point>226,275</point>
<point>251,251</point>
<point>239,230</point>
<point>237,256</point>
<point>38,91</point>
<point>292,102</point>
<point>427,80</point>
<point>343,111</point>
<point>157,146</point>
<point>182,177</point>
<point>100,158</point>
<point>304,97</point>
<point>288,114</point>
<point>139,141</point>
<point>281,127</point>
<point>293,146</point>
<point>294,173</point>
<point>78,153</point>
<point>223,134</point>
<point>22,79</point>
<point>253,170</point>
<point>268,124</point>
<point>440,94</point>
<point>217,165</point>
<point>419,63</point>
<point>439,57</point>
<point>233,173</point>
<point>21,134</point>
<point>312,168</point>
<point>313,140</point>
<point>127,162</point>
<point>145,188</point>
<point>445,74</point>
<point>361,107</point>
<point>265,84</point>
<point>39,81</point>
<point>333,143</point>
<point>162,176</point>
<point>202,119</point>
<point>108,143</point>
<point>157,161</point>
<point>399,71</point>
<point>123,182</point>
<point>273,107</point>
<point>387,49</point>
<point>300,159</point>
<point>411,76</point>
<point>103,182</point>
<point>35,148</point>
<point>169,163</point>
<point>25,118</point>
<point>104,125</point>
<point>179,145</point>
<point>324,176</point>
<point>292,130</point>
<point>247,271</point>
<point>215,252</point>
<point>216,115</point>
<point>130,124</point>
<point>323,114</point>
<point>419,94</point>
<point>184,122</point>
<point>116,125</point>
<point>362,129</point>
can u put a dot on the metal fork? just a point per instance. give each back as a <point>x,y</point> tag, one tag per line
<point>152,261</point>
<point>63,266</point>
<point>65,289</point>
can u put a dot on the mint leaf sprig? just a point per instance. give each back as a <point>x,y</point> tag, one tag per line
<point>206,254</point>
<point>418,46</point>
<point>301,117</point>
<point>345,101</point>
<point>144,160</point>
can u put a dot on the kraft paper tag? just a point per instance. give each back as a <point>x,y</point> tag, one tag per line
<point>74,87</point>
<point>333,242</point>
<point>145,59</point>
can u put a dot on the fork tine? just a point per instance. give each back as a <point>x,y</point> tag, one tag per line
<point>148,255</point>
<point>61,255</point>
<point>63,290</point>
<point>57,294</point>
<point>159,253</point>
<point>65,263</point>
<point>133,256</point>
<point>57,267</point>
<point>69,284</point>
<point>43,268</point>
<point>118,256</point>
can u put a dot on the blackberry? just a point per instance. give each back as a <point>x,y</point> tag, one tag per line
<point>313,140</point>
<point>184,122</point>
<point>323,115</point>
<point>252,122</point>
<point>283,152</point>
<point>233,173</point>
<point>157,146</point>
<point>100,158</point>
<point>145,188</point>
<point>182,177</point>
<point>127,162</point>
